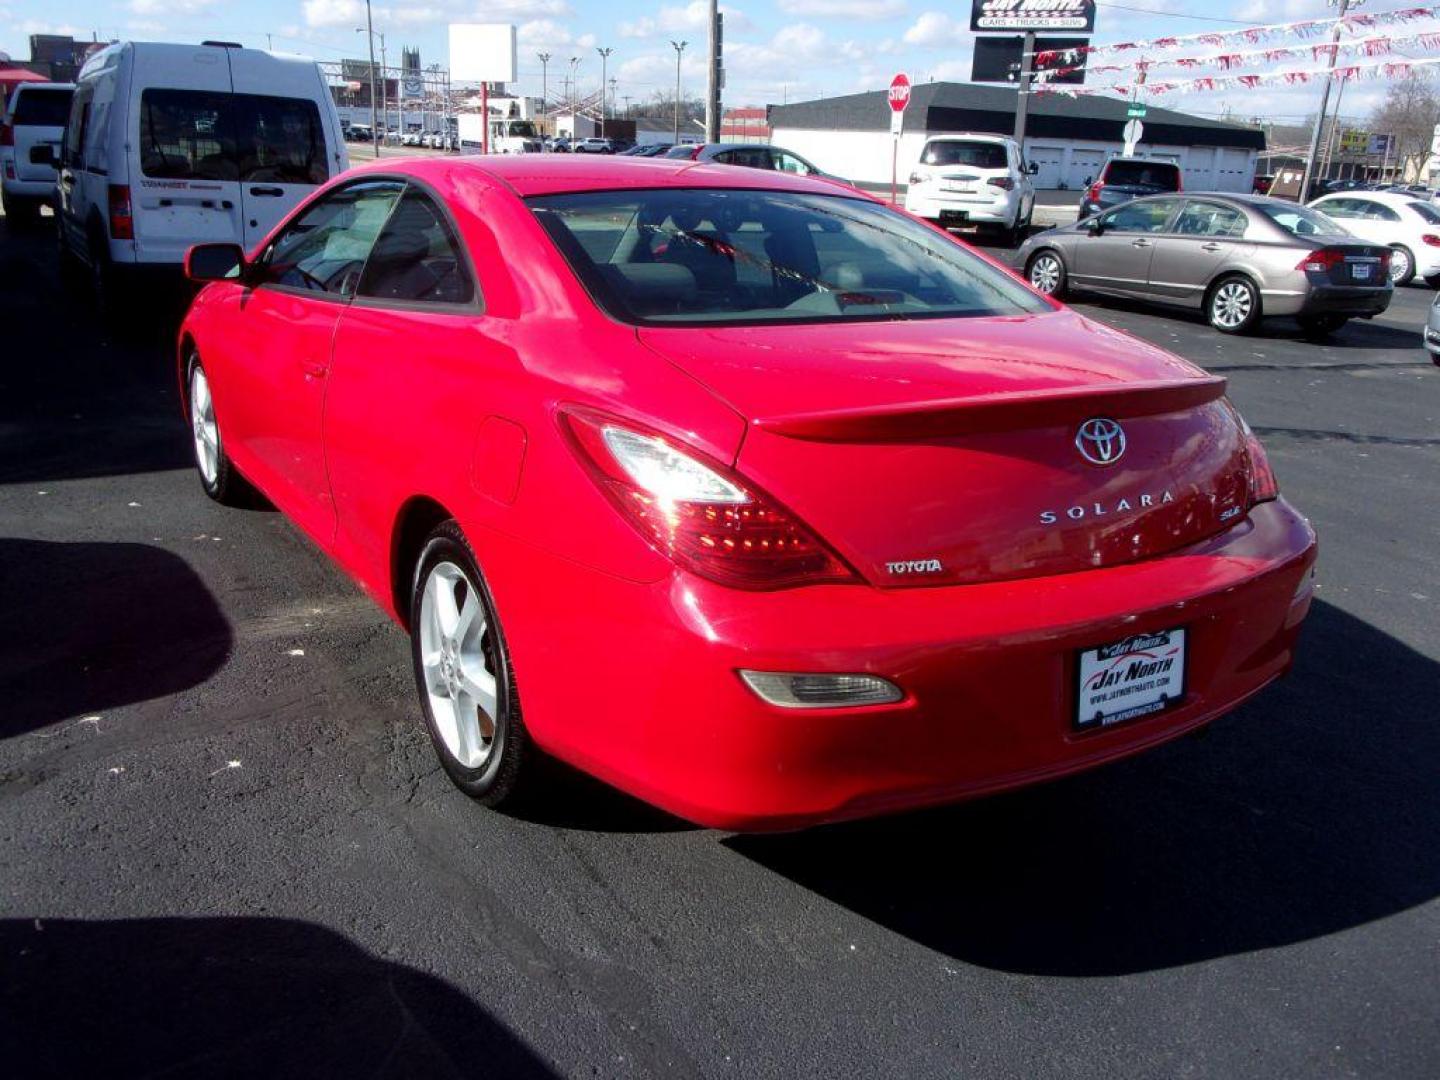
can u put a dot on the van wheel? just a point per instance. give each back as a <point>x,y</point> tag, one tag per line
<point>102,280</point>
<point>220,479</point>
<point>1233,305</point>
<point>463,673</point>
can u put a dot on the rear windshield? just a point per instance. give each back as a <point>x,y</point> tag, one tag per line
<point>732,257</point>
<point>1426,211</point>
<point>42,108</point>
<point>1301,220</point>
<point>979,155</point>
<point>1160,175</point>
<point>202,135</point>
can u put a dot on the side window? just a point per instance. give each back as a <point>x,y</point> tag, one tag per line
<point>417,258</point>
<point>1374,211</point>
<point>76,127</point>
<point>1140,216</point>
<point>1338,208</point>
<point>1210,219</point>
<point>790,163</point>
<point>279,140</point>
<point>325,248</point>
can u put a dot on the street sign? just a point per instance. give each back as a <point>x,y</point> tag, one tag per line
<point>899,92</point>
<point>897,122</point>
<point>1136,111</point>
<point>1133,130</point>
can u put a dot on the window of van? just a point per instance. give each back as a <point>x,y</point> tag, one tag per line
<point>42,108</point>
<point>203,135</point>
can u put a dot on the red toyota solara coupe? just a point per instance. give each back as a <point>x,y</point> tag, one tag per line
<point>741,491</point>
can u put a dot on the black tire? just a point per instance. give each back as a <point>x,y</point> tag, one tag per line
<point>72,271</point>
<point>101,280</point>
<point>1319,327</point>
<point>1408,274</point>
<point>227,486</point>
<point>507,772</point>
<point>1232,305</point>
<point>1433,282</point>
<point>1061,277</point>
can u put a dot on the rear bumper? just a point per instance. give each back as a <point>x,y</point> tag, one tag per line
<point>1326,300</point>
<point>962,210</point>
<point>638,684</point>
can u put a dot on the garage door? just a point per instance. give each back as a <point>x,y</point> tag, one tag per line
<point>1199,168</point>
<point>1050,160</point>
<point>1233,171</point>
<point>1084,167</point>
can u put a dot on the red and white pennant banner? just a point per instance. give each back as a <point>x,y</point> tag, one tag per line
<point>1250,35</point>
<point>1352,72</point>
<point>1380,45</point>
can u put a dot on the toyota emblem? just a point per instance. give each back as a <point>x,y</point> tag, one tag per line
<point>1100,441</point>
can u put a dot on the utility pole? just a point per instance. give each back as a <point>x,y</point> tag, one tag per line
<point>1022,101</point>
<point>574,83</point>
<point>604,59</point>
<point>370,37</point>
<point>627,98</point>
<point>679,47</point>
<point>544,87</point>
<point>715,76</point>
<point>1310,162</point>
<point>269,43</point>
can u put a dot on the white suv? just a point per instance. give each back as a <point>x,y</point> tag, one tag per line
<point>594,145</point>
<point>977,180</point>
<point>34,120</point>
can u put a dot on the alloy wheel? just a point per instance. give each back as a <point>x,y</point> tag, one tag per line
<point>458,663</point>
<point>1045,274</point>
<point>1231,305</point>
<point>1399,265</point>
<point>202,424</point>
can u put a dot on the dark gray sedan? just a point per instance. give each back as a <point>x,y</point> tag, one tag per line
<point>1235,257</point>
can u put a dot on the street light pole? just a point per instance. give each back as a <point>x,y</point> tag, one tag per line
<point>679,47</point>
<point>370,37</point>
<point>604,57</point>
<point>1324,98</point>
<point>544,80</point>
<point>574,83</point>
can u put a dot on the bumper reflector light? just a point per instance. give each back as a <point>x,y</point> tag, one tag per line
<point>794,691</point>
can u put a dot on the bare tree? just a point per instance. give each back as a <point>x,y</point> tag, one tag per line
<point>1410,113</point>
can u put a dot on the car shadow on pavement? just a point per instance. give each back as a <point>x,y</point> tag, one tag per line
<point>1312,810</point>
<point>232,997</point>
<point>85,627</point>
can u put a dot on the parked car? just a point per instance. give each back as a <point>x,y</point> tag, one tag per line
<point>750,156</point>
<point>1124,178</point>
<point>1409,227</point>
<point>1261,185</point>
<point>172,145</point>
<point>653,150</point>
<point>360,133</point>
<point>31,127</point>
<point>1432,330</point>
<point>557,145</point>
<point>979,180</point>
<point>1237,258</point>
<point>598,486</point>
<point>594,145</point>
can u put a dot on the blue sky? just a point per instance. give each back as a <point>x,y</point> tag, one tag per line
<point>776,50</point>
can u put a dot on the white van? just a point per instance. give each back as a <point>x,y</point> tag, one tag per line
<point>973,179</point>
<point>33,121</point>
<point>173,145</point>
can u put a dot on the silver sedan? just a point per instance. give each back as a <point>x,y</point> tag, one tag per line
<point>1237,258</point>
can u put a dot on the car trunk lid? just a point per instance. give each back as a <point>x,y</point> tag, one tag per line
<point>952,452</point>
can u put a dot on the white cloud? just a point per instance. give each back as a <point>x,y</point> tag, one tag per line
<point>169,7</point>
<point>693,18</point>
<point>936,30</point>
<point>416,16</point>
<point>1272,11</point>
<point>864,10</point>
<point>515,10</point>
<point>334,13</point>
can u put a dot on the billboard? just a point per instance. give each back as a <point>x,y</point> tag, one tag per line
<point>1381,145</point>
<point>997,59</point>
<point>992,15</point>
<point>482,52</point>
<point>1353,141</point>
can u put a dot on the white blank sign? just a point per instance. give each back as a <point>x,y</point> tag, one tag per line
<point>482,52</point>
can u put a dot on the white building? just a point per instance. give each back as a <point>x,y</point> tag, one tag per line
<point>1068,138</point>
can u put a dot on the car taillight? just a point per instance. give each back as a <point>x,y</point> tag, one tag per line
<point>1004,183</point>
<point>122,222</point>
<point>1431,239</point>
<point>1263,486</point>
<point>699,514</point>
<point>7,135</point>
<point>1321,261</point>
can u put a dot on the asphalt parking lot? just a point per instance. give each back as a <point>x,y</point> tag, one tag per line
<point>228,848</point>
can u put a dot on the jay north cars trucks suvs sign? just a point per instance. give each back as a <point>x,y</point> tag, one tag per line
<point>1033,15</point>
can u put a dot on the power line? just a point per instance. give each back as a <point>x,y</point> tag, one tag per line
<point>1178,15</point>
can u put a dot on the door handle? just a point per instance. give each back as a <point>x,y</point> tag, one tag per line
<point>273,192</point>
<point>1210,247</point>
<point>1139,243</point>
<point>67,178</point>
<point>314,369</point>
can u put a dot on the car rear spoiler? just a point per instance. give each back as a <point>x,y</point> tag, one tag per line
<point>996,412</point>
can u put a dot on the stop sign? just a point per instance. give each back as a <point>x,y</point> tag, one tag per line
<point>899,92</point>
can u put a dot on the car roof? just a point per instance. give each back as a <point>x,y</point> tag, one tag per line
<point>1394,198</point>
<point>546,174</point>
<point>24,86</point>
<point>975,136</point>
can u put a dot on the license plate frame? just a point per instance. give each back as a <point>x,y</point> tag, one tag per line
<point>1109,691</point>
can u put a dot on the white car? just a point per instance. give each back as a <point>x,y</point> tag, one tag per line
<point>971,179</point>
<point>1406,224</point>
<point>594,145</point>
<point>34,120</point>
<point>168,146</point>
